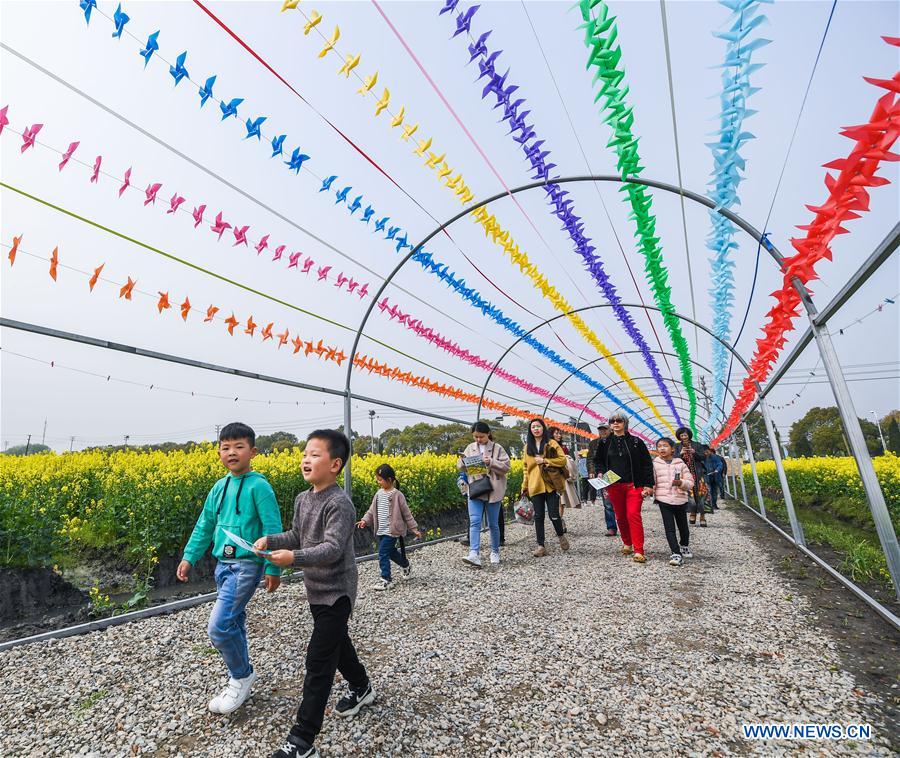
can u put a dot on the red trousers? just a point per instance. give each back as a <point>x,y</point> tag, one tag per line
<point>626,501</point>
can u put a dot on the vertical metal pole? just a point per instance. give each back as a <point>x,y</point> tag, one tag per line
<point>759,497</point>
<point>857,443</point>
<point>740,470</point>
<point>796,529</point>
<point>348,476</point>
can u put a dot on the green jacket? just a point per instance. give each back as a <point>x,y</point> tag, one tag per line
<point>244,505</point>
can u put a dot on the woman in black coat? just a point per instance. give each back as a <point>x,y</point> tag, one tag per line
<point>627,456</point>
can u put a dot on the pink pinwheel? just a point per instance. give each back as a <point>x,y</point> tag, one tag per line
<point>352,284</point>
<point>278,251</point>
<point>3,119</point>
<point>363,291</point>
<point>383,305</point>
<point>240,236</point>
<point>29,135</point>
<point>263,244</point>
<point>126,183</point>
<point>220,226</point>
<point>96,174</point>
<point>151,191</point>
<point>175,202</point>
<point>294,259</point>
<point>197,213</point>
<point>341,280</point>
<point>308,264</point>
<point>392,312</point>
<point>323,272</point>
<point>66,156</point>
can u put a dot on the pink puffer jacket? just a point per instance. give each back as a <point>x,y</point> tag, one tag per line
<point>664,473</point>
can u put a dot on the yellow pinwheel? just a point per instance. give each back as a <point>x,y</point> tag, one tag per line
<point>384,102</point>
<point>312,22</point>
<point>329,46</point>
<point>398,119</point>
<point>368,83</point>
<point>350,63</point>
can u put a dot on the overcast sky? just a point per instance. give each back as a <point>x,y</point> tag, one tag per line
<point>84,405</point>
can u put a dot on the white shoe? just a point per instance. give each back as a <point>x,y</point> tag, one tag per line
<point>384,584</point>
<point>676,559</point>
<point>686,552</point>
<point>473,559</point>
<point>406,573</point>
<point>233,696</point>
<point>495,558</point>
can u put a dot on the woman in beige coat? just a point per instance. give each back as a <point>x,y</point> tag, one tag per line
<point>495,459</point>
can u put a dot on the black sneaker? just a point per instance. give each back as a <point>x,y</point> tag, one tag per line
<point>350,704</point>
<point>296,747</point>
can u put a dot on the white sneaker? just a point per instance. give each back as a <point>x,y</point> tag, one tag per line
<point>233,696</point>
<point>495,558</point>
<point>406,573</point>
<point>686,552</point>
<point>676,560</point>
<point>384,584</point>
<point>473,559</point>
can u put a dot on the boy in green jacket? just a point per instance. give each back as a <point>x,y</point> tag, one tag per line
<point>244,504</point>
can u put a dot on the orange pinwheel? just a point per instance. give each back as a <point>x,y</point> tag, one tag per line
<point>163,303</point>
<point>54,262</point>
<point>282,338</point>
<point>210,313</point>
<point>185,308</point>
<point>232,322</point>
<point>251,326</point>
<point>267,331</point>
<point>126,289</point>
<point>297,342</point>
<point>14,248</point>
<point>95,276</point>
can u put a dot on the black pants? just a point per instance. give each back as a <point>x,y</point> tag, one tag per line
<point>329,650</point>
<point>546,502</point>
<point>673,515</point>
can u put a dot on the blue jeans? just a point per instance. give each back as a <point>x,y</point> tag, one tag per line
<point>715,487</point>
<point>477,510</point>
<point>608,513</point>
<point>235,583</point>
<point>387,552</point>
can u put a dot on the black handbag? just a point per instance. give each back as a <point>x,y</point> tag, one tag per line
<point>481,488</point>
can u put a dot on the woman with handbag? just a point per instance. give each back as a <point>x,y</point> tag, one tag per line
<point>628,457</point>
<point>694,456</point>
<point>485,491</point>
<point>545,478</point>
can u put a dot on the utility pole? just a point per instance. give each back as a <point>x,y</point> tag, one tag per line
<point>878,424</point>
<point>127,437</point>
<point>28,445</point>
<point>44,435</point>
<point>71,443</point>
<point>372,431</point>
<point>218,428</point>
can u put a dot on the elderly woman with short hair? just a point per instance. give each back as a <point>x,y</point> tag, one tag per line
<point>628,457</point>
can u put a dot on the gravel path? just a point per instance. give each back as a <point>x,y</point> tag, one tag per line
<point>583,653</point>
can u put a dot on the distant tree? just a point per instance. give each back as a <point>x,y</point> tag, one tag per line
<point>267,443</point>
<point>820,432</point>
<point>32,449</point>
<point>893,436</point>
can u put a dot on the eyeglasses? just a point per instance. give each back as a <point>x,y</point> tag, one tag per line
<point>616,421</point>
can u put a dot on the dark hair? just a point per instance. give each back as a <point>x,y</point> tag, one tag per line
<point>684,429</point>
<point>481,427</point>
<point>554,429</point>
<point>237,431</point>
<point>667,440</point>
<point>337,443</point>
<point>386,472</point>
<point>531,446</point>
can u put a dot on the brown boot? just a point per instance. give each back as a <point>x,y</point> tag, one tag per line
<point>540,552</point>
<point>563,542</point>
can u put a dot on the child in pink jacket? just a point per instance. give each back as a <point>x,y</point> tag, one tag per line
<point>673,483</point>
<point>389,516</point>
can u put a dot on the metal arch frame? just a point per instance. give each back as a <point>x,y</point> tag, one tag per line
<point>612,178</point>
<point>632,352</point>
<point>594,397</point>
<point>874,495</point>
<point>550,320</point>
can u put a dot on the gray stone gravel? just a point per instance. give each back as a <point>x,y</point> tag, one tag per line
<point>579,653</point>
